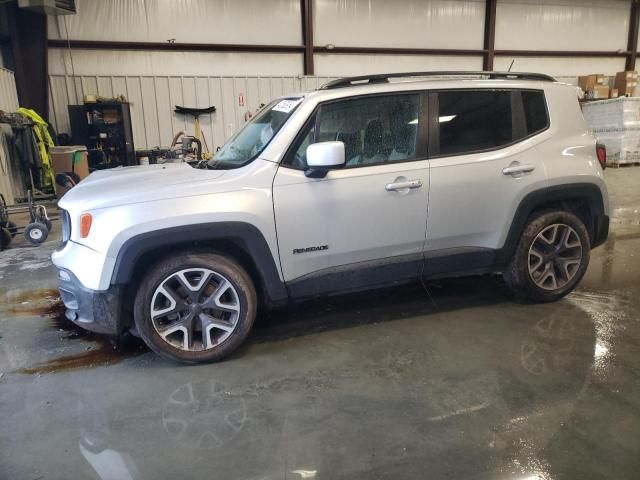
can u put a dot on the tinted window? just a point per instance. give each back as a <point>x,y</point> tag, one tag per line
<point>375,130</point>
<point>297,158</point>
<point>474,120</point>
<point>535,111</point>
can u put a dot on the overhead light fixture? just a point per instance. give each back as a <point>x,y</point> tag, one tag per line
<point>446,118</point>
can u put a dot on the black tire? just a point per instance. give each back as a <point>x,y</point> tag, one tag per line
<point>517,273</point>
<point>48,223</point>
<point>221,265</point>
<point>36,233</point>
<point>5,238</point>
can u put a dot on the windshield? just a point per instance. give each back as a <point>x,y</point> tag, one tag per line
<point>251,140</point>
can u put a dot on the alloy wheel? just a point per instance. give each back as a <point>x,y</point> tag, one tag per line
<point>555,256</point>
<point>195,309</point>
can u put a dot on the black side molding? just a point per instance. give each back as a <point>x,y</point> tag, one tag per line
<point>357,276</point>
<point>243,235</point>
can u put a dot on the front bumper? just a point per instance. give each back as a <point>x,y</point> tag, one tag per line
<point>92,310</point>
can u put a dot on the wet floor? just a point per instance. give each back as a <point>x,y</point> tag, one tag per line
<point>455,381</point>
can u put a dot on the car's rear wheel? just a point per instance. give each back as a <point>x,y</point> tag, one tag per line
<point>551,257</point>
<point>195,308</point>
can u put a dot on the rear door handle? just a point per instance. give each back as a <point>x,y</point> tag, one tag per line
<point>512,169</point>
<point>404,185</point>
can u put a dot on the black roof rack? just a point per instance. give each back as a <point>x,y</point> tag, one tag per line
<point>384,77</point>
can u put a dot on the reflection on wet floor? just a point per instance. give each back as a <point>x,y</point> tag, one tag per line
<point>393,409</point>
<point>457,380</point>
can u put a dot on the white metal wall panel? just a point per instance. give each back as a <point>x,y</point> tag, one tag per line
<point>8,103</point>
<point>8,92</point>
<point>562,24</point>
<point>347,65</point>
<point>274,22</point>
<point>399,23</point>
<point>153,100</point>
<point>131,63</point>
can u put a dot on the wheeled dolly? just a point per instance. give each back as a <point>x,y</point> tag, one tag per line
<point>36,231</point>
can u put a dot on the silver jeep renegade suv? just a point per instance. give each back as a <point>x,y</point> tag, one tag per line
<point>366,182</point>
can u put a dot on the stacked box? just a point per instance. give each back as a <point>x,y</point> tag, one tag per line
<point>595,86</point>
<point>626,82</point>
<point>616,124</point>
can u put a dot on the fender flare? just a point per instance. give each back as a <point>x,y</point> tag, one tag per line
<point>573,191</point>
<point>243,235</point>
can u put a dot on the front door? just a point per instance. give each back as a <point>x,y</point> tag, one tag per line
<point>363,224</point>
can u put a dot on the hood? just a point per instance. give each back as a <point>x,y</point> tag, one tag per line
<point>124,185</point>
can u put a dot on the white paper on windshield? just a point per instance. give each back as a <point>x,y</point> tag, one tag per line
<point>286,106</point>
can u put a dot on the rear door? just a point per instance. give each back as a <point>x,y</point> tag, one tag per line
<point>483,162</point>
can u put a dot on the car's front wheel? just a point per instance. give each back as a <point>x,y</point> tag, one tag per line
<point>195,308</point>
<point>551,258</point>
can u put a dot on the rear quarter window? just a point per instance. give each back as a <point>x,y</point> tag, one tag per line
<point>535,111</point>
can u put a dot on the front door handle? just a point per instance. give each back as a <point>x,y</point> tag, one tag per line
<point>403,185</point>
<point>514,169</point>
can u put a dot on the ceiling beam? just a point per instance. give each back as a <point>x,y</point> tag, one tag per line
<point>632,42</point>
<point>561,53</point>
<point>489,34</point>
<point>346,50</point>
<point>306,10</point>
<point>174,47</point>
<point>398,51</point>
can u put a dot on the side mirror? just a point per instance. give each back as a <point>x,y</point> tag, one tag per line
<point>322,157</point>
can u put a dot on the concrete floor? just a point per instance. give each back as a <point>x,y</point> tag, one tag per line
<point>462,383</point>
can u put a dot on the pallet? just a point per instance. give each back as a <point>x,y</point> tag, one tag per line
<point>614,164</point>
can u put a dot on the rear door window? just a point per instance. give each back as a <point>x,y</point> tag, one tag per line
<point>474,120</point>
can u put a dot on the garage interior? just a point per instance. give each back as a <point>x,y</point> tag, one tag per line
<point>444,379</point>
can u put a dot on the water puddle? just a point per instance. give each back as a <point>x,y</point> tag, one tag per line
<point>100,350</point>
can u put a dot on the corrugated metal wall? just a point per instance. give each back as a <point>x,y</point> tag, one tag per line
<point>8,103</point>
<point>8,92</point>
<point>153,99</point>
<point>520,24</point>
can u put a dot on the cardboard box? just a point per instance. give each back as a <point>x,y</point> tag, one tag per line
<point>62,158</point>
<point>110,116</point>
<point>627,75</point>
<point>613,93</point>
<point>626,87</point>
<point>69,159</point>
<point>587,82</point>
<point>598,92</point>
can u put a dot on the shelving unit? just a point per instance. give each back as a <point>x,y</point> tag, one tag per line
<point>105,128</point>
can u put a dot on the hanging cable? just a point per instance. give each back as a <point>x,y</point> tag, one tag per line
<point>73,70</point>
